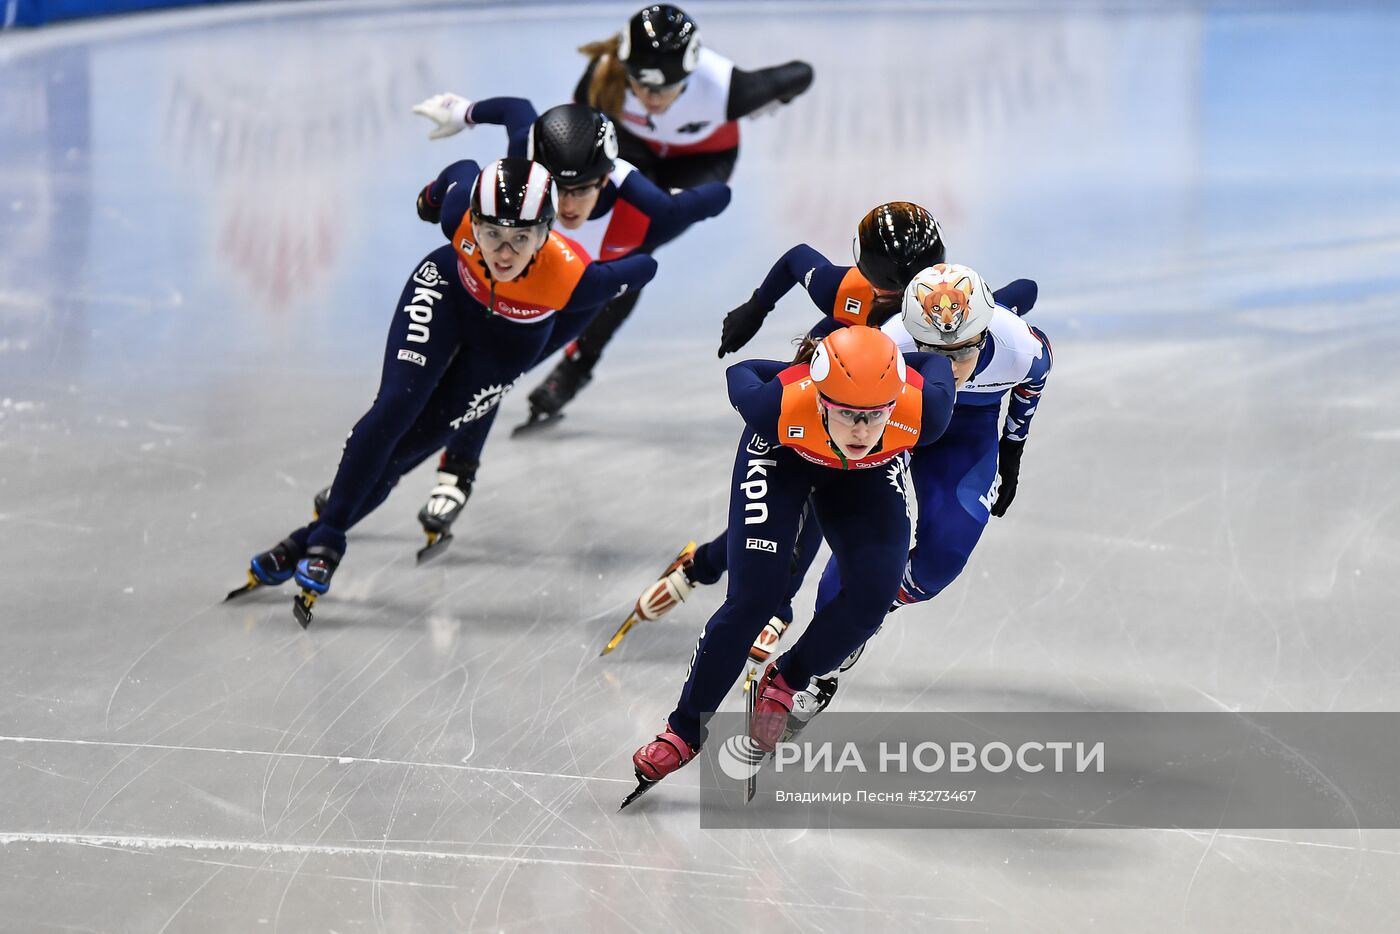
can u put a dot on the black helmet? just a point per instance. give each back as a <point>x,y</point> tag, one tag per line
<point>895,241</point>
<point>660,46</point>
<point>513,193</point>
<point>576,143</point>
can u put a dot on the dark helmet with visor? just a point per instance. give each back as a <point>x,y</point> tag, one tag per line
<point>574,142</point>
<point>896,240</point>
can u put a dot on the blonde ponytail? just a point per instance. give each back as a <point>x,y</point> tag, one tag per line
<point>609,81</point>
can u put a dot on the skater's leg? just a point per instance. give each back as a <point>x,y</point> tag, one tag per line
<point>759,564</point>
<point>809,542</point>
<point>711,560</point>
<point>865,520</point>
<point>575,369</point>
<point>416,360</point>
<point>455,475</point>
<point>953,481</point>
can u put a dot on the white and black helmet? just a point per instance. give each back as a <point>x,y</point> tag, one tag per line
<point>660,46</point>
<point>947,304</point>
<point>514,193</point>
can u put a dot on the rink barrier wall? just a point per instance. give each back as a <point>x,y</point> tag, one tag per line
<point>39,12</point>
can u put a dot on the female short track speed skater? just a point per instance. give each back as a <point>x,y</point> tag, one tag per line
<point>676,104</point>
<point>892,242</point>
<point>968,475</point>
<point>832,431</point>
<point>473,316</point>
<point>606,208</point>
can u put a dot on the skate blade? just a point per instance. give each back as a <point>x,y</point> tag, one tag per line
<point>643,786</point>
<point>750,698</point>
<point>535,424</point>
<point>627,624</point>
<point>437,544</point>
<point>252,585</point>
<point>301,607</point>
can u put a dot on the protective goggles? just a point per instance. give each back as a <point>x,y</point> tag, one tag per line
<point>848,416</point>
<point>578,191</point>
<point>639,86</point>
<point>956,353</point>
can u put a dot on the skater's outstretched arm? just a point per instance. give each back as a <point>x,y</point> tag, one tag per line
<point>601,283</point>
<point>1026,396</point>
<point>757,394</point>
<point>455,180</point>
<point>1024,400</point>
<point>750,91</point>
<point>453,113</point>
<point>516,114</point>
<point>672,214</point>
<point>1017,296</point>
<point>802,264</point>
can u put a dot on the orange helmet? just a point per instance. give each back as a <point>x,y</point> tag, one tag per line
<point>858,367</point>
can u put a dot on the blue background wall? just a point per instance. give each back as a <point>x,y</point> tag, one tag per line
<point>38,12</point>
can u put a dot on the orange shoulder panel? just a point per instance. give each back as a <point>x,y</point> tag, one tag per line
<point>853,298</point>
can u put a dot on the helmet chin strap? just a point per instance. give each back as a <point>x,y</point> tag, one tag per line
<point>831,442</point>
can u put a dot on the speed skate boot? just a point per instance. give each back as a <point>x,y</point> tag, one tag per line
<point>270,568</point>
<point>548,399</point>
<point>657,759</point>
<point>445,502</point>
<point>772,704</point>
<point>817,696</point>
<point>767,640</point>
<point>313,574</point>
<point>318,502</point>
<point>670,589</point>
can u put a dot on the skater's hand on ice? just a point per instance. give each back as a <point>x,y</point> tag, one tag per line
<point>1008,471</point>
<point>448,111</point>
<point>740,325</point>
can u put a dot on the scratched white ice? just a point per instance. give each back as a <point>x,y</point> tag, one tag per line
<point>206,217</point>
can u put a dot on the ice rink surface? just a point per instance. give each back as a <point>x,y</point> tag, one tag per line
<point>206,218</point>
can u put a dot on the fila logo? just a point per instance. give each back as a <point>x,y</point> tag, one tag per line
<point>761,544</point>
<point>467,247</point>
<point>853,306</point>
<point>413,357</point>
<point>795,431</point>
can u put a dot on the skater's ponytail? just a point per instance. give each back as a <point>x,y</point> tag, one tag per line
<point>883,307</point>
<point>609,81</point>
<point>806,346</point>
